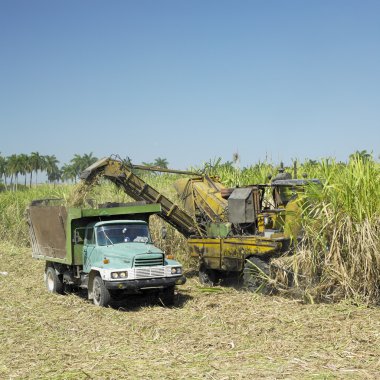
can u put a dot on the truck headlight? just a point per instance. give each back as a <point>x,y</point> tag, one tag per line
<point>176,270</point>
<point>115,275</point>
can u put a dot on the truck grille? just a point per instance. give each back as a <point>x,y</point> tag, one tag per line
<point>149,272</point>
<point>149,262</point>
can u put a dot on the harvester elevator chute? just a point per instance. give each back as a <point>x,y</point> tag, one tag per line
<point>121,174</point>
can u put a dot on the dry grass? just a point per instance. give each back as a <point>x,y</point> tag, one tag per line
<point>348,269</point>
<point>224,334</point>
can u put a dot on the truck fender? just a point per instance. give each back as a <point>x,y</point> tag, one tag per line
<point>91,277</point>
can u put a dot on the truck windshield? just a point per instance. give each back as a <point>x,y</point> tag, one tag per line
<point>122,233</point>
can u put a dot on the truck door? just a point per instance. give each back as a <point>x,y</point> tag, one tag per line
<point>88,249</point>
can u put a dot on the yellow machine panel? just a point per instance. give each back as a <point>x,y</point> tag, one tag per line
<point>229,254</point>
<point>202,194</point>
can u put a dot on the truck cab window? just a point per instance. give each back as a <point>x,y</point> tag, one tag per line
<point>90,237</point>
<point>122,233</point>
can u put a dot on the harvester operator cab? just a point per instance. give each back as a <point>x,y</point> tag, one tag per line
<point>283,194</point>
<point>283,189</point>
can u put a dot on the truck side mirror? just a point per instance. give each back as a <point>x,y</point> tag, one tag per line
<point>163,232</point>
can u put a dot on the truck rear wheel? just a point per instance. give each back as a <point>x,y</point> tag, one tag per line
<point>101,295</point>
<point>53,281</point>
<point>255,275</point>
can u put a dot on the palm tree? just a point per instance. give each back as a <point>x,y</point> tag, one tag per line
<point>37,163</point>
<point>51,167</point>
<point>6,171</point>
<point>361,155</point>
<point>68,172</point>
<point>23,165</point>
<point>55,176</point>
<point>80,163</point>
<point>161,162</point>
<point>15,167</point>
<point>236,160</point>
<point>76,165</point>
<point>88,160</point>
<point>3,170</point>
<point>29,169</point>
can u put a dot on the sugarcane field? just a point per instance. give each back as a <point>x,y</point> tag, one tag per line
<point>315,313</point>
<point>189,190</point>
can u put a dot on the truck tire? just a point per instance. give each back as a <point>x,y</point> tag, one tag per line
<point>53,281</point>
<point>166,296</point>
<point>101,295</point>
<point>255,275</point>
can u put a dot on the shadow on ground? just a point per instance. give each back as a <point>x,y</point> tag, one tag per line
<point>234,281</point>
<point>136,302</point>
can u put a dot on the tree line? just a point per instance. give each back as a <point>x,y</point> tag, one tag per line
<point>30,165</point>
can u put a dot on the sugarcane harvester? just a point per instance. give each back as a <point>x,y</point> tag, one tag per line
<point>227,230</point>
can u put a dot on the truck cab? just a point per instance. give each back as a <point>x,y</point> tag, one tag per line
<point>122,253</point>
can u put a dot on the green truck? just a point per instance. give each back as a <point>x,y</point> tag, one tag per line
<point>106,250</point>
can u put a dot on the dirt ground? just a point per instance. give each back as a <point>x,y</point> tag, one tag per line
<point>220,334</point>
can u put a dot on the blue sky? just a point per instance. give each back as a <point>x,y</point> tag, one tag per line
<point>190,80</point>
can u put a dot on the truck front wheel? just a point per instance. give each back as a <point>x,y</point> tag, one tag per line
<point>101,295</point>
<point>53,281</point>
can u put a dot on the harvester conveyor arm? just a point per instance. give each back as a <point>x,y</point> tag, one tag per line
<point>121,175</point>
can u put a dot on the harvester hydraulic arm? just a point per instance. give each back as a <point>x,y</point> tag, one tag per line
<point>121,174</point>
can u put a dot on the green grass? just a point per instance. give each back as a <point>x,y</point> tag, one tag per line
<point>13,226</point>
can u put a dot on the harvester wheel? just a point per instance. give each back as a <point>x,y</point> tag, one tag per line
<point>101,295</point>
<point>166,296</point>
<point>207,276</point>
<point>255,275</point>
<point>53,281</point>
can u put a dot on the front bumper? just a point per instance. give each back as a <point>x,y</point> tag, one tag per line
<point>145,283</point>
